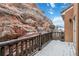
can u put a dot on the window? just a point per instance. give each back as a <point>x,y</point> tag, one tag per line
<point>70,20</point>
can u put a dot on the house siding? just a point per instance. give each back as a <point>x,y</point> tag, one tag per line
<point>68,25</point>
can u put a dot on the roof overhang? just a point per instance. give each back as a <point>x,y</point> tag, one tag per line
<point>66,10</point>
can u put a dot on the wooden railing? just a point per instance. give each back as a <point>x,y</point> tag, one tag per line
<point>58,36</point>
<point>24,46</point>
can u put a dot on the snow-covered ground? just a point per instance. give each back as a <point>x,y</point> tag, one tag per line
<point>57,48</point>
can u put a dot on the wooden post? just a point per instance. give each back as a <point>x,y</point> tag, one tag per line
<point>2,51</point>
<point>40,42</point>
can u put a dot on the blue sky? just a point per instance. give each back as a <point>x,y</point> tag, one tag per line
<point>53,11</point>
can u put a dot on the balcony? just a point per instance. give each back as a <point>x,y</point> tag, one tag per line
<point>37,45</point>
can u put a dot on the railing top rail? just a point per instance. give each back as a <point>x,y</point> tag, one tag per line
<point>56,32</point>
<point>10,42</point>
<point>45,33</point>
<point>15,41</point>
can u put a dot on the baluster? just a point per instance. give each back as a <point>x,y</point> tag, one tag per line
<point>26,48</point>
<point>35,43</point>
<point>11,50</point>
<point>21,48</point>
<point>40,42</point>
<point>51,35</point>
<point>32,44</point>
<point>48,36</point>
<point>43,39</point>
<point>17,49</point>
<point>55,35</point>
<point>2,51</point>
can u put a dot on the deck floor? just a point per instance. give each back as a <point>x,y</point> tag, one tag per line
<point>57,48</point>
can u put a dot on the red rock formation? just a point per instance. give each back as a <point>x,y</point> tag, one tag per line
<point>17,20</point>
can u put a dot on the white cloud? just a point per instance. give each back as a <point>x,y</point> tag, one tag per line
<point>63,6</point>
<point>58,21</point>
<point>48,4</point>
<point>52,5</point>
<point>51,9</point>
<point>50,12</point>
<point>65,3</point>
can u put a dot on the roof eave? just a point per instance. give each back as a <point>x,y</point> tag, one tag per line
<point>66,10</point>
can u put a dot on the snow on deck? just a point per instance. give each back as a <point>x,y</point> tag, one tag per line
<point>56,48</point>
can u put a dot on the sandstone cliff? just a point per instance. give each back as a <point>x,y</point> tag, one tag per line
<point>17,20</point>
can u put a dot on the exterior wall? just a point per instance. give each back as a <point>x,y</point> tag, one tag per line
<point>70,14</point>
<point>68,21</point>
<point>76,13</point>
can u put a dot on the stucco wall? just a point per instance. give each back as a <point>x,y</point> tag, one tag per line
<point>68,25</point>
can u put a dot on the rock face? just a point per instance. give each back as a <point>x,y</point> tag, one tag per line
<point>17,20</point>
